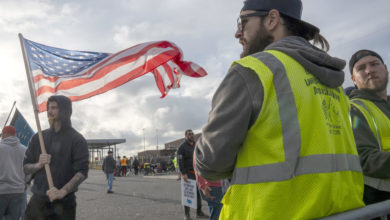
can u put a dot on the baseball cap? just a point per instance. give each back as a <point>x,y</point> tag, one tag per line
<point>290,8</point>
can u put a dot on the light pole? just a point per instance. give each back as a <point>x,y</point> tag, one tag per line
<point>143,131</point>
<point>157,137</point>
<point>143,155</point>
<point>158,153</point>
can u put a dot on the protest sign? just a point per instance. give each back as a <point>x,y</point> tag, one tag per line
<point>188,193</point>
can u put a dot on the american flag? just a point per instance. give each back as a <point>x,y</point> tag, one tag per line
<point>81,74</point>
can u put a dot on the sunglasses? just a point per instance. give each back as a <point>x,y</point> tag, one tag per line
<point>243,19</point>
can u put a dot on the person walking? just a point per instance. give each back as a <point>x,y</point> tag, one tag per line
<point>136,166</point>
<point>118,166</point>
<point>279,124</point>
<point>108,168</point>
<point>124,166</point>
<point>12,178</point>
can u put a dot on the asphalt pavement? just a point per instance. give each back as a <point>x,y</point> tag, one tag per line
<point>134,197</point>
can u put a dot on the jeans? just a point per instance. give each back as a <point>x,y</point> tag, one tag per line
<point>24,205</point>
<point>124,171</point>
<point>215,205</point>
<point>11,205</point>
<point>110,179</point>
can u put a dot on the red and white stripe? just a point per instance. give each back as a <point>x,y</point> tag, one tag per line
<point>163,59</point>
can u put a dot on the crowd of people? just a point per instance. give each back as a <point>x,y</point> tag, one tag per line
<point>127,167</point>
<point>283,141</point>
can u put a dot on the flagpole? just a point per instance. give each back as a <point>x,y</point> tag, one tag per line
<point>36,111</point>
<point>9,114</point>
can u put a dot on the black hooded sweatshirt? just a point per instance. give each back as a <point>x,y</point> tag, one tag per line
<point>67,147</point>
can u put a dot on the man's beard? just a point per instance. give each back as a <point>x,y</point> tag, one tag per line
<point>259,43</point>
<point>51,122</point>
<point>382,85</point>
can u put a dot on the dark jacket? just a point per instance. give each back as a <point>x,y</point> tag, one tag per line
<point>135,163</point>
<point>185,155</point>
<point>375,163</point>
<point>109,164</point>
<point>68,150</point>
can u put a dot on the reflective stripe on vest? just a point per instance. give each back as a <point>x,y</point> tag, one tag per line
<point>376,127</point>
<point>369,117</point>
<point>294,165</point>
<point>324,163</point>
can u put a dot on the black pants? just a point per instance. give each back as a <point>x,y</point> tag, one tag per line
<point>372,195</point>
<point>124,171</point>
<point>40,208</point>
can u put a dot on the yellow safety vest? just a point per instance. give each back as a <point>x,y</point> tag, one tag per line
<point>379,124</point>
<point>175,162</point>
<point>299,159</point>
<point>123,162</point>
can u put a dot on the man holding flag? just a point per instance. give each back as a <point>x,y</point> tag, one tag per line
<point>67,155</point>
<point>80,75</point>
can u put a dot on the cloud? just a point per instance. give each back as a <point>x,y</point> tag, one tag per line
<point>15,16</point>
<point>23,16</point>
<point>204,30</point>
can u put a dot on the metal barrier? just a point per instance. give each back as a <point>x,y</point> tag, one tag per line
<point>380,209</point>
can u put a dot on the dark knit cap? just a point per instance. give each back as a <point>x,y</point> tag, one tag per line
<point>359,55</point>
<point>290,8</point>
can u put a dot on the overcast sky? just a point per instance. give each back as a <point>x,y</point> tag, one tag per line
<point>203,29</point>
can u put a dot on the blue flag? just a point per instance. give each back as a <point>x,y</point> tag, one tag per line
<point>23,130</point>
